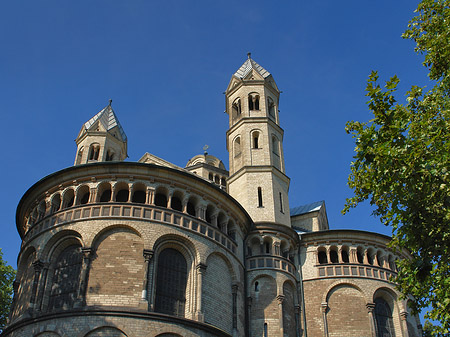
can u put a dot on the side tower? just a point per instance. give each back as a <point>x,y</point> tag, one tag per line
<point>255,145</point>
<point>101,139</point>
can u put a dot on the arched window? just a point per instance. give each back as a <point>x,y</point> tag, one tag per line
<point>68,198</point>
<point>191,207</point>
<point>210,176</point>
<point>271,107</point>
<point>160,199</point>
<point>94,151</point>
<point>253,102</point>
<point>79,156</point>
<point>333,256</point>
<point>383,317</point>
<point>344,255</point>
<point>122,195</point>
<point>176,203</point>
<point>83,195</point>
<point>236,109</point>
<point>109,155</point>
<point>255,138</point>
<point>55,203</point>
<point>139,193</point>
<point>171,281</point>
<point>66,274</point>
<point>359,255</point>
<point>237,146</point>
<point>322,256</point>
<point>260,197</point>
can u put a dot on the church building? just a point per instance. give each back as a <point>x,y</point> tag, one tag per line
<point>150,249</point>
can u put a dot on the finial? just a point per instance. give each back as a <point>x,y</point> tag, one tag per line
<point>110,101</point>
<point>206,147</point>
<point>249,55</point>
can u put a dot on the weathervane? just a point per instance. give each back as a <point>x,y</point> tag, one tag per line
<point>206,147</point>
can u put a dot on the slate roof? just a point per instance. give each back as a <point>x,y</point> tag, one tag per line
<point>304,209</point>
<point>108,119</point>
<point>248,65</point>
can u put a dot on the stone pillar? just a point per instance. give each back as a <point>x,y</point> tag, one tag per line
<point>234,290</point>
<point>169,200</point>
<point>37,265</point>
<point>280,299</point>
<point>41,287</point>
<point>365,257</point>
<point>404,323</point>
<point>201,269</point>
<point>353,256</point>
<point>84,276</point>
<point>214,220</point>
<point>223,227</point>
<point>340,254</point>
<point>93,194</point>
<point>201,212</point>
<point>324,308</point>
<point>148,254</point>
<point>149,196</point>
<point>370,308</point>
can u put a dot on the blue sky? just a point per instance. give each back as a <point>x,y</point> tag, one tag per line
<point>166,64</point>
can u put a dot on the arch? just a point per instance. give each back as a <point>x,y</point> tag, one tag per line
<point>110,156</point>
<point>139,193</point>
<point>338,298</point>
<point>209,214</point>
<point>192,205</point>
<point>94,151</point>
<point>68,198</point>
<point>47,334</point>
<point>236,108</point>
<point>217,292</point>
<point>322,257</point>
<point>42,208</point>
<point>83,194</point>
<point>161,196</point>
<point>288,308</point>
<point>104,192</point>
<point>176,202</point>
<point>231,229</point>
<point>24,276</point>
<point>255,136</point>
<point>253,101</point>
<point>360,254</point>
<point>371,255</point>
<point>168,334</point>
<point>106,331</point>
<point>64,274</point>
<point>334,257</point>
<point>237,146</point>
<point>271,107</point>
<point>222,222</point>
<point>276,152</point>
<point>55,203</point>
<point>344,254</point>
<point>117,267</point>
<point>267,245</point>
<point>68,236</point>
<point>102,232</point>
<point>383,318</point>
<point>264,303</point>
<point>344,282</point>
<point>79,156</point>
<point>121,192</point>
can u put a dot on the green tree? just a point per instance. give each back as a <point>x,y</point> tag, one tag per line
<point>402,165</point>
<point>7,275</point>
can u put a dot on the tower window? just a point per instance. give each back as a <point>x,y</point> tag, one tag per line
<point>322,255</point>
<point>237,146</point>
<point>236,109</point>
<point>94,152</point>
<point>260,199</point>
<point>281,203</point>
<point>109,155</point>
<point>255,136</point>
<point>271,107</point>
<point>253,102</point>
<point>256,286</point>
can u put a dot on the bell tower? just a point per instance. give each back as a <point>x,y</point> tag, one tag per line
<point>101,139</point>
<point>255,145</point>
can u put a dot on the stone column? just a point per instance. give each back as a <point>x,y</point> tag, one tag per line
<point>404,322</point>
<point>324,308</point>
<point>214,220</point>
<point>280,299</point>
<point>37,265</point>
<point>200,212</point>
<point>41,287</point>
<point>370,308</point>
<point>84,276</point>
<point>340,254</point>
<point>223,227</point>
<point>149,196</point>
<point>148,254</point>
<point>93,194</point>
<point>201,269</point>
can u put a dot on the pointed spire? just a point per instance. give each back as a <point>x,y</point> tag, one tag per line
<point>248,65</point>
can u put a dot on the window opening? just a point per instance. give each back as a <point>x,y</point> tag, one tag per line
<point>210,177</point>
<point>322,257</point>
<point>160,200</point>
<point>191,208</point>
<point>106,196</point>
<point>139,197</point>
<point>176,204</point>
<point>260,199</point>
<point>237,147</point>
<point>84,199</point>
<point>256,140</point>
<point>256,286</point>
<point>359,256</point>
<point>122,195</point>
<point>383,317</point>
<point>281,203</point>
<point>171,281</point>
<point>333,256</point>
<point>265,330</point>
<point>267,247</point>
<point>344,255</point>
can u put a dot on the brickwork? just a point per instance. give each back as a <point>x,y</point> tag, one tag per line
<point>217,299</point>
<point>25,278</point>
<point>116,274</point>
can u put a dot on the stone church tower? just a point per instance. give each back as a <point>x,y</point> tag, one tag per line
<point>149,249</point>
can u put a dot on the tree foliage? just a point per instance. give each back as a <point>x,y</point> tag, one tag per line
<point>7,275</point>
<point>402,165</point>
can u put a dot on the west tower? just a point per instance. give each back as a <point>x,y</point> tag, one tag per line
<point>255,145</point>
